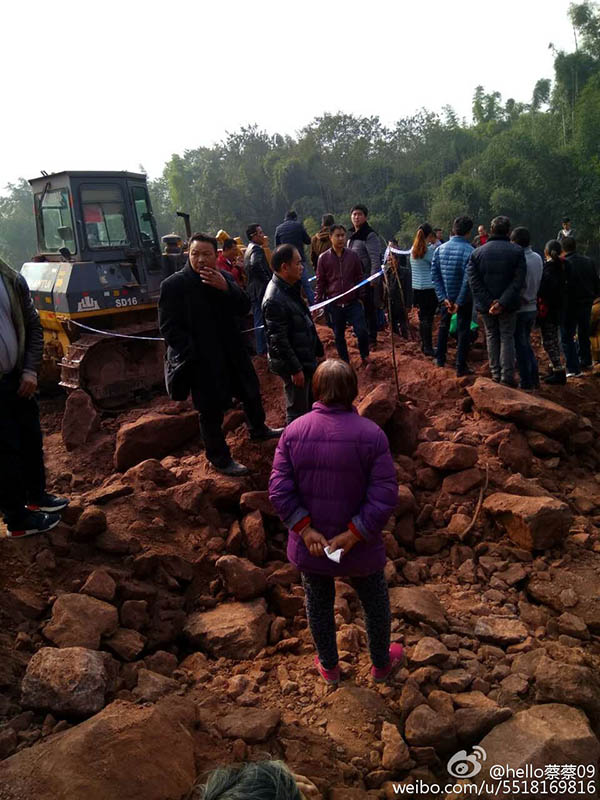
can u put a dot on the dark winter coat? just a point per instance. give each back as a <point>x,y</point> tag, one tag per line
<point>30,336</point>
<point>583,284</point>
<point>291,231</point>
<point>552,294</point>
<point>292,340</point>
<point>367,246</point>
<point>496,271</point>
<point>204,343</point>
<point>258,272</point>
<point>335,466</point>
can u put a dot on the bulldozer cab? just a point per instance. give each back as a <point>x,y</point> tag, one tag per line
<point>100,217</point>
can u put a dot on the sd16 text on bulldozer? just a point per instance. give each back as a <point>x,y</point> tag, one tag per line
<point>99,264</point>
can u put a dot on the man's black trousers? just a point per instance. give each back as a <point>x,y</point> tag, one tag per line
<point>211,423</point>
<point>22,474</point>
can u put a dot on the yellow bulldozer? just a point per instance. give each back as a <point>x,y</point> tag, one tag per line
<point>95,281</point>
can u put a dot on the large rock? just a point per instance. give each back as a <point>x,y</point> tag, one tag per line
<point>427,728</point>
<point>396,755</point>
<point>241,578</point>
<point>418,605</point>
<point>473,723</point>
<point>253,725</point>
<point>100,585</point>
<point>68,680</point>
<point>232,630</point>
<point>578,580</point>
<point>556,682</point>
<point>153,435</point>
<point>535,523</point>
<point>257,501</point>
<point>80,621</point>
<point>352,713</point>
<point>126,751</point>
<point>256,538</point>
<point>532,739</point>
<point>429,651</point>
<point>126,643</point>
<point>515,453</point>
<point>90,524</point>
<point>403,428</point>
<point>500,630</point>
<point>448,455</point>
<point>380,403</point>
<point>462,482</point>
<point>80,419</point>
<point>528,410</point>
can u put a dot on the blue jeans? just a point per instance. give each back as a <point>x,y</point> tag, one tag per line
<point>463,335</point>
<point>577,321</point>
<point>354,314</point>
<point>526,360</point>
<point>261,339</point>
<point>307,286</point>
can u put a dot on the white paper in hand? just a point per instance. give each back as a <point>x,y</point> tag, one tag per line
<point>333,555</point>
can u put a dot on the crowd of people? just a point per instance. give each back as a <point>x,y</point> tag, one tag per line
<point>333,480</point>
<point>513,289</point>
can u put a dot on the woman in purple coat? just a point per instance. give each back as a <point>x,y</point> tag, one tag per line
<point>334,485</point>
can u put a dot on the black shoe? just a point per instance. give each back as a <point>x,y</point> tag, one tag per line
<point>558,378</point>
<point>49,503</point>
<point>31,522</point>
<point>428,351</point>
<point>233,469</point>
<point>460,373</point>
<point>510,384</point>
<point>265,434</point>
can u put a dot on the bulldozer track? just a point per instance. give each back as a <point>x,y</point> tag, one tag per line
<point>113,370</point>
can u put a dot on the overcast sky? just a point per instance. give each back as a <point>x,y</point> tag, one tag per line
<point>118,83</point>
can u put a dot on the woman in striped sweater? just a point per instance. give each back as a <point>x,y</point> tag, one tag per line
<point>424,294</point>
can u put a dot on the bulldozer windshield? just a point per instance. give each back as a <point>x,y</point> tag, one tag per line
<point>104,217</point>
<point>55,221</point>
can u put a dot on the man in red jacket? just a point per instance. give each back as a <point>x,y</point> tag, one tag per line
<point>338,270</point>
<point>229,260</point>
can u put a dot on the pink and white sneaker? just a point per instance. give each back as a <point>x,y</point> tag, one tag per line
<point>330,676</point>
<point>378,674</point>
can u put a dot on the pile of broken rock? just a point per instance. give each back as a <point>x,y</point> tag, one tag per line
<point>160,631</point>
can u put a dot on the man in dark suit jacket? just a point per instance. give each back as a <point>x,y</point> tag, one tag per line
<point>496,273</point>
<point>583,287</point>
<point>198,310</point>
<point>293,232</point>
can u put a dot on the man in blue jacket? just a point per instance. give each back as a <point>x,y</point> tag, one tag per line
<point>496,274</point>
<point>449,275</point>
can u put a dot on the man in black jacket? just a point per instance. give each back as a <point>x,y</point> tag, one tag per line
<point>291,231</point>
<point>258,275</point>
<point>198,310</point>
<point>496,273</point>
<point>25,504</point>
<point>292,341</point>
<point>366,244</point>
<point>583,287</point>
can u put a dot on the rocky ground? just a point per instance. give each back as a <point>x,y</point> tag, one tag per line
<point>159,630</point>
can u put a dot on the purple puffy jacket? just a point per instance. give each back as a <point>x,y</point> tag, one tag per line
<point>335,466</point>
